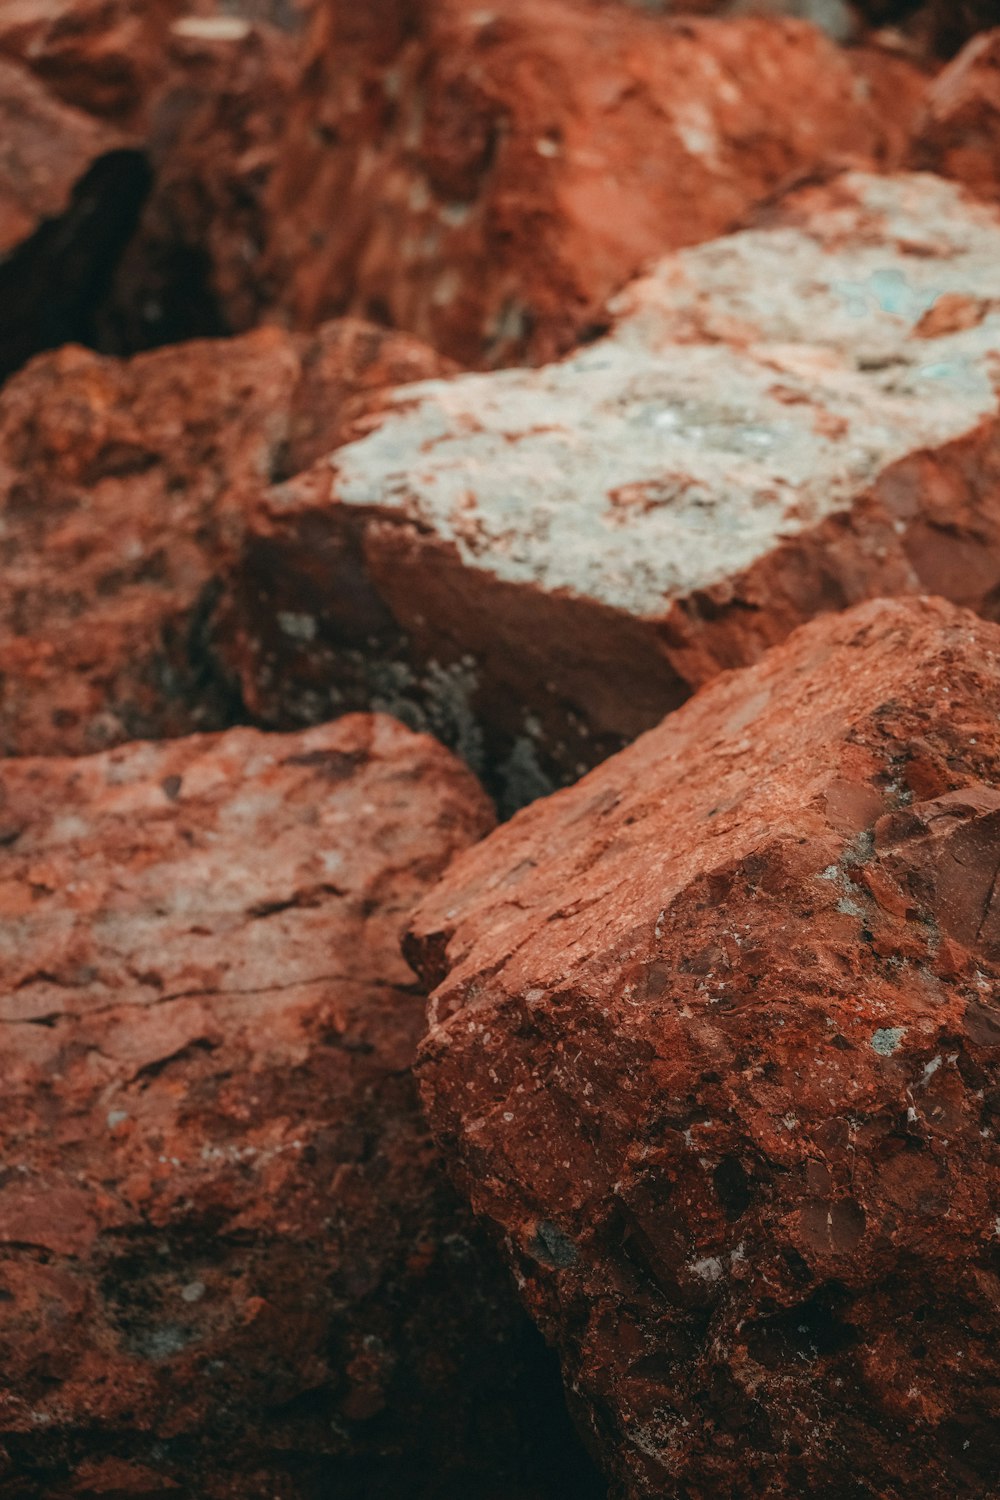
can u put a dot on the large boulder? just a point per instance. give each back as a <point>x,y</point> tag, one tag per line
<point>230,1263</point>
<point>538,564</point>
<point>715,1042</point>
<point>487,177</point>
<point>122,485</point>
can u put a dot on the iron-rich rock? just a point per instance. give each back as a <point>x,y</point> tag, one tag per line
<point>230,1262</point>
<point>486,178</point>
<point>123,486</point>
<point>715,1042</point>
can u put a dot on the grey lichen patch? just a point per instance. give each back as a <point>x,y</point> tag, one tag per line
<point>552,1247</point>
<point>888,1040</point>
<point>712,451</point>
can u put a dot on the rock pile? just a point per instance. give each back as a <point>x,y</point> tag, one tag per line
<point>603,394</point>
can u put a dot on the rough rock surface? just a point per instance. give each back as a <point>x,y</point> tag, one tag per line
<point>960,132</point>
<point>70,190</point>
<point>122,484</point>
<point>103,56</point>
<point>486,178</point>
<point>194,267</point>
<point>716,1043</point>
<point>538,565</point>
<point>230,1264</point>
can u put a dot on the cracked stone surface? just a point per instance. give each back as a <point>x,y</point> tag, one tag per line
<point>715,1043</point>
<point>122,485</point>
<point>538,564</point>
<point>230,1263</point>
<point>486,178</point>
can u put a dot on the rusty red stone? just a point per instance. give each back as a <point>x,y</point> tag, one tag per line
<point>487,178</point>
<point>714,1042</point>
<point>123,489</point>
<point>230,1262</point>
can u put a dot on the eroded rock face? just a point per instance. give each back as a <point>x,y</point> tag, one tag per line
<point>538,565</point>
<point>69,195</point>
<point>715,1042</point>
<point>960,133</point>
<point>123,484</point>
<point>230,1263</point>
<point>487,178</point>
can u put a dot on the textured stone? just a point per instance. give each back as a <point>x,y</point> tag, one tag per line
<point>103,56</point>
<point>716,1044</point>
<point>486,178</point>
<point>230,1264</point>
<point>122,485</point>
<point>539,564</point>
<point>960,133</point>
<point>194,267</point>
<point>69,193</point>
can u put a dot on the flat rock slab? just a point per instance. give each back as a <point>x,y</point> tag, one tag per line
<point>487,177</point>
<point>715,1042</point>
<point>230,1264</point>
<point>538,564</point>
<point>122,485</point>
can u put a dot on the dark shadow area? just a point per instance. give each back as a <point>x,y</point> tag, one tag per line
<point>52,284</point>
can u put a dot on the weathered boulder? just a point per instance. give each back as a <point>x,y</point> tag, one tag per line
<point>70,191</point>
<point>538,564</point>
<point>486,178</point>
<point>122,485</point>
<point>230,1263</point>
<point>716,1043</point>
<point>960,133</point>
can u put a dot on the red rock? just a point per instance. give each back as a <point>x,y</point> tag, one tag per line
<point>69,193</point>
<point>538,564</point>
<point>230,1263</point>
<point>194,267</point>
<point>486,178</point>
<point>715,1042</point>
<point>111,57</point>
<point>122,485</point>
<point>102,56</point>
<point>960,133</point>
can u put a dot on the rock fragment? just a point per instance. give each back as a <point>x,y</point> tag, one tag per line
<point>960,132</point>
<point>538,564</point>
<point>230,1263</point>
<point>123,486</point>
<point>487,178</point>
<point>716,1043</point>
